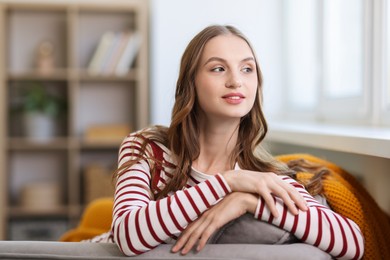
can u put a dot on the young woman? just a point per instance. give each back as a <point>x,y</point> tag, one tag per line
<point>180,184</point>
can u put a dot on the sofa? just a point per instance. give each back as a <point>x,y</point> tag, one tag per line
<point>85,250</point>
<point>344,195</point>
<point>268,242</point>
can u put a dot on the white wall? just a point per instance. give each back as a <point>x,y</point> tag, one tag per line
<point>175,22</point>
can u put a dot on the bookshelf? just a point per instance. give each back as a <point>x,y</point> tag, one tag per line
<point>71,31</point>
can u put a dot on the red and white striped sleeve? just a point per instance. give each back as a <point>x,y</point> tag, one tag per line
<point>318,226</point>
<point>140,223</point>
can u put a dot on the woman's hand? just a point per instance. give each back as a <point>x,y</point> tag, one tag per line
<point>266,184</point>
<point>231,207</point>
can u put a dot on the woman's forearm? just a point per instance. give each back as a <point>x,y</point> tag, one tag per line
<point>140,224</point>
<point>318,226</point>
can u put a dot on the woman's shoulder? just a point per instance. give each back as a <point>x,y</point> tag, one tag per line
<point>151,141</point>
<point>152,135</point>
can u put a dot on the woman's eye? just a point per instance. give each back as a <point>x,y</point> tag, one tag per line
<point>247,69</point>
<point>217,69</point>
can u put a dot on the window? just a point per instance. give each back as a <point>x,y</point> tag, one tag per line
<point>343,48</point>
<point>301,53</point>
<point>331,56</point>
<point>387,66</point>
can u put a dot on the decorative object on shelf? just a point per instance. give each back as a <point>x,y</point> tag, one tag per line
<point>45,57</point>
<point>97,182</point>
<point>41,196</point>
<point>40,110</point>
<point>107,133</point>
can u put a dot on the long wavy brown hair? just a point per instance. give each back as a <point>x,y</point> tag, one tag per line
<point>182,136</point>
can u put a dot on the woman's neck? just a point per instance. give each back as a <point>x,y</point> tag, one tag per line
<point>216,142</point>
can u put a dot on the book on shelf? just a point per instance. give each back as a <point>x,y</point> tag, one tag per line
<point>113,48</point>
<point>115,53</point>
<point>100,51</point>
<point>129,54</point>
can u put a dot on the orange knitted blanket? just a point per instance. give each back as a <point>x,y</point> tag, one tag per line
<point>349,198</point>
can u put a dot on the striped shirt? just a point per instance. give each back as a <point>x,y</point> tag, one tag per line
<point>141,223</point>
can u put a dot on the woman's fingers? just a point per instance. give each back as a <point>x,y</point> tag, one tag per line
<point>205,236</point>
<point>298,199</point>
<point>265,184</point>
<point>186,234</point>
<point>199,231</point>
<point>289,194</point>
<point>200,236</point>
<point>270,202</point>
<point>292,198</point>
<point>288,201</point>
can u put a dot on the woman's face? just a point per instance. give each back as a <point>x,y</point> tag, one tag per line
<point>226,80</point>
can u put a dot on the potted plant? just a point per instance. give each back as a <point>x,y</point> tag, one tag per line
<point>40,111</point>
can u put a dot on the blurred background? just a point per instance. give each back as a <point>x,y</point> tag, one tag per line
<point>78,76</point>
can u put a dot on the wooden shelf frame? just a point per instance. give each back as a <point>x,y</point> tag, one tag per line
<point>3,131</point>
<point>72,75</point>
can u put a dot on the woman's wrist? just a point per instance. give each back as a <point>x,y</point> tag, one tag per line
<point>229,177</point>
<point>251,201</point>
<point>248,201</point>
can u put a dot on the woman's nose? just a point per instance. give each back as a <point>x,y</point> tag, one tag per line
<point>233,82</point>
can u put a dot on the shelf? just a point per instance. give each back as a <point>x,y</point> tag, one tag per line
<point>58,57</point>
<point>55,75</point>
<point>86,76</point>
<point>19,211</point>
<point>100,144</point>
<point>19,143</point>
<point>60,143</point>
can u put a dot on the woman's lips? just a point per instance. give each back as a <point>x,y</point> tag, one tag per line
<point>234,98</point>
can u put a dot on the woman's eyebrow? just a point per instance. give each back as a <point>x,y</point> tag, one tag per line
<point>249,59</point>
<point>215,59</point>
<point>223,60</point>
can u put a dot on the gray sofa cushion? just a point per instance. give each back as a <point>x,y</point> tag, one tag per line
<point>248,230</point>
<point>77,250</point>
